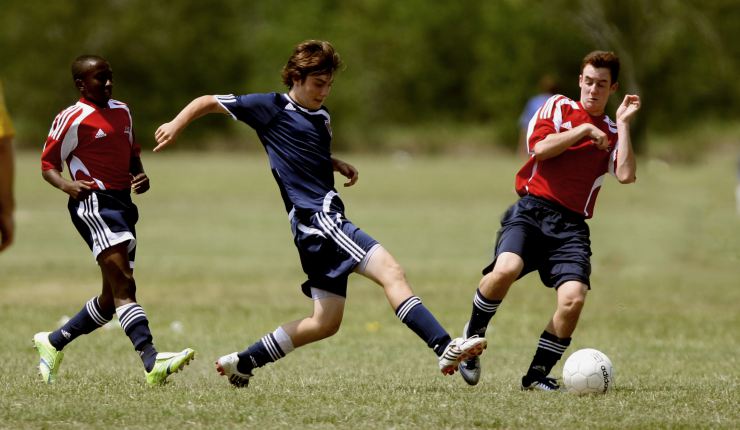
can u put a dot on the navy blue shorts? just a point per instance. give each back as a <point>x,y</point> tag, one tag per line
<point>330,248</point>
<point>105,219</point>
<point>549,238</point>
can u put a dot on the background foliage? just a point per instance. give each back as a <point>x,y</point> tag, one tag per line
<point>425,68</point>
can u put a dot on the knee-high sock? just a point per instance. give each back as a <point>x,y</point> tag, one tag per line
<point>272,347</point>
<point>550,349</point>
<point>89,318</point>
<point>483,311</point>
<point>136,326</point>
<point>418,318</point>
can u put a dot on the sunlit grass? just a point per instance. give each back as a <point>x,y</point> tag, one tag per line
<point>216,258</point>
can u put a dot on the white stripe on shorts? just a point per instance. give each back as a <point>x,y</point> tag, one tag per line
<point>339,237</point>
<point>102,236</point>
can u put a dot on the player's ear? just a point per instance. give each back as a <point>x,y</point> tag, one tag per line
<point>613,89</point>
<point>79,84</point>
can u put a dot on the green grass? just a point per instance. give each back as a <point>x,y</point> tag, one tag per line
<point>215,253</point>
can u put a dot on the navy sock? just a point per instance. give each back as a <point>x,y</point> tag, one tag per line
<point>549,350</point>
<point>136,326</point>
<point>265,350</point>
<point>483,311</point>
<point>89,318</point>
<point>418,318</point>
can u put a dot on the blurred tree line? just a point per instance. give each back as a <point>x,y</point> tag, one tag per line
<point>418,65</point>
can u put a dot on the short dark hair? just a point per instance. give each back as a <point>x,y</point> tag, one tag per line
<point>79,65</point>
<point>603,59</point>
<point>310,57</point>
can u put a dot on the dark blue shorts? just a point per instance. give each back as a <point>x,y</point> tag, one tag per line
<point>549,238</point>
<point>330,248</point>
<point>105,219</point>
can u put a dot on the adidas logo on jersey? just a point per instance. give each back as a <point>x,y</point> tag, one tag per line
<point>100,134</point>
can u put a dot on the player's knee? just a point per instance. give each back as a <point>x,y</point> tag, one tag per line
<point>502,276</point>
<point>121,281</point>
<point>573,305</point>
<point>327,327</point>
<point>395,272</point>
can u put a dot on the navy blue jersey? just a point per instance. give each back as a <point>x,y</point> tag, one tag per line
<point>298,144</point>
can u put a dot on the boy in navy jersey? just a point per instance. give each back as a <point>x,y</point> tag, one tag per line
<point>95,138</point>
<point>295,131</point>
<point>572,146</point>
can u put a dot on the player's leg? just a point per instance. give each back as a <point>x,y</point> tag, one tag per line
<point>381,267</point>
<point>328,310</point>
<point>556,337</point>
<point>567,268</point>
<point>491,291</point>
<point>115,265</point>
<point>96,312</point>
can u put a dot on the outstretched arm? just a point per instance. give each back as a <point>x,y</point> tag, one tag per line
<point>626,164</point>
<point>167,133</point>
<point>347,170</point>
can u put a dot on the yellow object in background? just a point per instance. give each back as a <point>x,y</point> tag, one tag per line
<point>6,127</point>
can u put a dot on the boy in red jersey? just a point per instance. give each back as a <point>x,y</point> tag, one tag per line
<point>95,138</point>
<point>572,146</point>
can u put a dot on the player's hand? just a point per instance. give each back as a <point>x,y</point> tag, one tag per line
<point>165,135</point>
<point>347,170</point>
<point>79,190</point>
<point>139,183</point>
<point>598,138</point>
<point>630,105</point>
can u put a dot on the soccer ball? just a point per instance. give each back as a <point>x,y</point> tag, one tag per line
<point>588,371</point>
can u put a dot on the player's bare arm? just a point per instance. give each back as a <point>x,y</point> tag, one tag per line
<point>556,143</point>
<point>347,170</point>
<point>167,133</point>
<point>626,164</point>
<point>78,190</point>
<point>139,180</point>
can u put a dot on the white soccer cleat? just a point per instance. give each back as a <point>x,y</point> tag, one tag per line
<point>459,350</point>
<point>226,366</point>
<point>470,369</point>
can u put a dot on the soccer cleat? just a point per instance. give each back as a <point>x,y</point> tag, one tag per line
<point>459,350</point>
<point>168,363</point>
<point>547,383</point>
<point>470,369</point>
<point>226,366</point>
<point>50,358</point>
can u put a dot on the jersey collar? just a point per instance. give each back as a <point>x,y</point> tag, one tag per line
<point>296,106</point>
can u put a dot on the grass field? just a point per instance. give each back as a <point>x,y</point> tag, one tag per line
<point>215,255</point>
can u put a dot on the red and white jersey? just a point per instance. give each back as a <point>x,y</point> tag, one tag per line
<point>96,143</point>
<point>573,178</point>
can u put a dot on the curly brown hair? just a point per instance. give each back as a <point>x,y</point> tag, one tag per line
<point>310,57</point>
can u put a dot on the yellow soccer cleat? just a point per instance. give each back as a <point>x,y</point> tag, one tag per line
<point>168,363</point>
<point>50,358</point>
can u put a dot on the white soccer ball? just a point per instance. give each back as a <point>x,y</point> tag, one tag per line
<point>588,371</point>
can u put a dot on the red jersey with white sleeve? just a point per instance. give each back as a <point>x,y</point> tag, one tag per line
<point>573,178</point>
<point>96,144</point>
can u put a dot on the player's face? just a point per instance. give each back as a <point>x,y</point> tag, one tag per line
<point>596,87</point>
<point>97,83</point>
<point>311,92</point>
